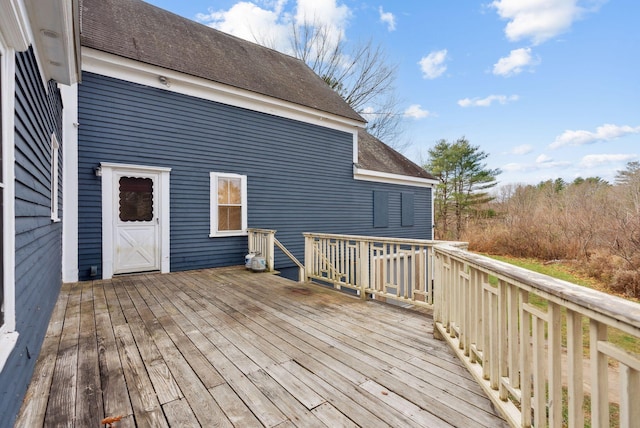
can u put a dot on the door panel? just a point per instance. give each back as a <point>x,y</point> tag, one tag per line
<point>136,224</point>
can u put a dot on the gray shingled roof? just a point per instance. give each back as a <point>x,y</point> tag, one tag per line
<point>375,155</point>
<point>137,30</point>
<point>142,32</point>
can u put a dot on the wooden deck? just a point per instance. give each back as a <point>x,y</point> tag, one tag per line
<point>227,347</point>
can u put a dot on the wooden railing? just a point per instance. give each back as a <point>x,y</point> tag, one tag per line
<point>521,335</point>
<point>542,349</point>
<point>389,268</point>
<point>263,242</point>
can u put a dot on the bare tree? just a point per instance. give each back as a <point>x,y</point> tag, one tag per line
<point>361,73</point>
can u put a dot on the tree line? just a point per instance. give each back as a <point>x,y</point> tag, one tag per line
<point>589,222</point>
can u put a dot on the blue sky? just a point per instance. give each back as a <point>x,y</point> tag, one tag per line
<point>548,88</point>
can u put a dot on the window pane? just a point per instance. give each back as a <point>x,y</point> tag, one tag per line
<point>229,191</point>
<point>136,199</point>
<point>234,191</point>
<point>235,218</point>
<point>229,218</point>
<point>223,190</point>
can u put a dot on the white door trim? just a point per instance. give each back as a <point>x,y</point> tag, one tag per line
<point>107,170</point>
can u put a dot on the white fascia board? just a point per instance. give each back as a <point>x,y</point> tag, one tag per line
<point>385,177</point>
<point>95,61</point>
<point>14,25</point>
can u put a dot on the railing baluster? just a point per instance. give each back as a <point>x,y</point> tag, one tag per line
<point>629,389</point>
<point>575,389</point>
<point>554,343</point>
<point>599,376</point>
<point>525,358</point>
<point>503,341</point>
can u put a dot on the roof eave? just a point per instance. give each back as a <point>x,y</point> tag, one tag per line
<point>386,177</point>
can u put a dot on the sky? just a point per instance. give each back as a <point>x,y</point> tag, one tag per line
<point>546,88</point>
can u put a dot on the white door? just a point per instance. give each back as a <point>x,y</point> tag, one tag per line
<point>136,220</point>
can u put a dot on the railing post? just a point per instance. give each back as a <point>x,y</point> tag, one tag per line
<point>270,247</point>
<point>308,257</point>
<point>363,271</point>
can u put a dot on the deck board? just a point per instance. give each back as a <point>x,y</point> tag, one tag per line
<point>226,347</point>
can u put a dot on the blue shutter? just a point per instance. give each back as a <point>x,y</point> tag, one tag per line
<point>407,209</point>
<point>380,208</point>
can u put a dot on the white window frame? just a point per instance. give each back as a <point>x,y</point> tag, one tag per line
<point>214,232</point>
<point>54,178</point>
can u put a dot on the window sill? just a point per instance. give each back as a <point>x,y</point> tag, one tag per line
<point>7,343</point>
<point>55,219</point>
<point>227,234</point>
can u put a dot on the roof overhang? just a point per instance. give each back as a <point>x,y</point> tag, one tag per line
<point>385,177</point>
<point>55,28</point>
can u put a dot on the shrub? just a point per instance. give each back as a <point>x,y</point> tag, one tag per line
<point>627,282</point>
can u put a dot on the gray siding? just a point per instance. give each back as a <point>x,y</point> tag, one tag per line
<point>38,240</point>
<point>300,176</point>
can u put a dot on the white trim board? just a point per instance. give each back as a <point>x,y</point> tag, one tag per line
<point>106,171</point>
<point>8,333</point>
<point>69,182</point>
<point>385,177</point>
<point>117,67</point>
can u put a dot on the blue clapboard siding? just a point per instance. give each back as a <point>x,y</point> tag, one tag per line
<point>38,240</point>
<point>300,176</point>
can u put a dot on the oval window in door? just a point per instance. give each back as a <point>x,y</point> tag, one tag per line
<point>136,199</point>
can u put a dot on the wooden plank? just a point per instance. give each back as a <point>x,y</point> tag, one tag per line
<point>308,397</point>
<point>406,407</point>
<point>383,414</point>
<point>258,401</point>
<point>204,407</point>
<point>115,396</point>
<point>235,409</point>
<point>332,417</point>
<point>163,381</point>
<point>180,335</point>
<point>146,407</point>
<point>113,304</point>
<point>35,400</point>
<point>179,414</point>
<point>284,401</point>
<point>89,406</point>
<point>62,396</point>
<point>344,403</point>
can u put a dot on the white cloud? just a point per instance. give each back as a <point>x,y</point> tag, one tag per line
<point>540,20</point>
<point>368,113</point>
<point>543,159</point>
<point>606,132</point>
<point>387,18</point>
<point>590,161</point>
<point>537,166</point>
<point>522,149</point>
<point>487,101</point>
<point>432,65</point>
<point>251,22</point>
<point>515,63</point>
<point>415,111</point>
<point>322,12</point>
<point>270,25</point>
